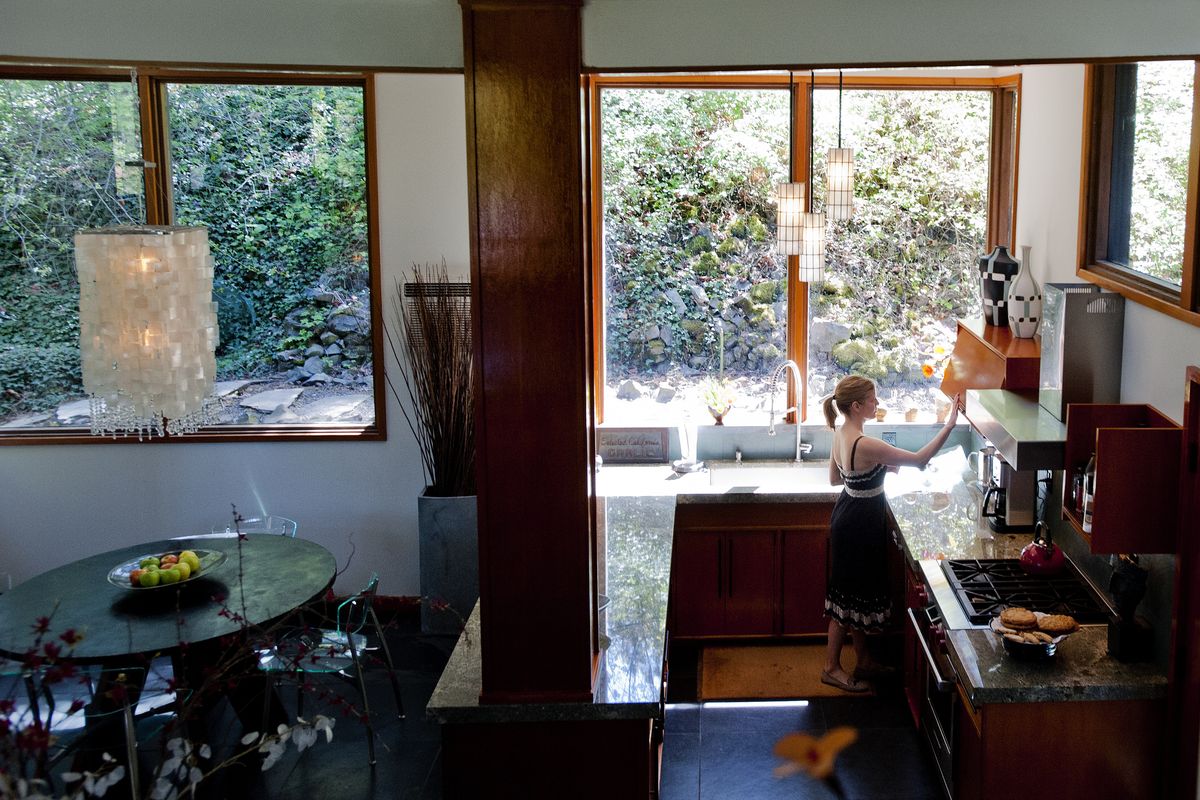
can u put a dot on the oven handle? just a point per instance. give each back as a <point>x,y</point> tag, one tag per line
<point>942,684</point>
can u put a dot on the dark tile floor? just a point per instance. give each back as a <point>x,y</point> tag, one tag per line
<point>715,751</point>
<point>712,751</point>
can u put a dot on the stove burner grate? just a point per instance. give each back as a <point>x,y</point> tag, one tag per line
<point>985,587</point>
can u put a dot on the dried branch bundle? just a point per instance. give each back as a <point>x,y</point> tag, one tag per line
<point>436,369</point>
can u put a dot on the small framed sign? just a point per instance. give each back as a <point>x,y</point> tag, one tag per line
<point>632,445</point>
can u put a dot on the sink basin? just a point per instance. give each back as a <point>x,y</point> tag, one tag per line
<point>777,475</point>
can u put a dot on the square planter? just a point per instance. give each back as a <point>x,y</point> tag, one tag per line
<point>449,552</point>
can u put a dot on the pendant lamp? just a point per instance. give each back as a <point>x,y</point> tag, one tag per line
<point>839,170</point>
<point>147,328</point>
<point>789,218</point>
<point>812,252</point>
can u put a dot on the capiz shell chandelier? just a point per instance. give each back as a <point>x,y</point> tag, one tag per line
<point>147,328</point>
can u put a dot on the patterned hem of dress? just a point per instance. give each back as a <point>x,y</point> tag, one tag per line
<point>870,623</point>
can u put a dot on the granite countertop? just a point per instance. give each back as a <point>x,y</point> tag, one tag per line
<point>637,504</point>
<point>935,513</point>
<point>634,564</point>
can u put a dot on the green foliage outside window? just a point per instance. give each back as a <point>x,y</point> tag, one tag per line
<point>1162,138</point>
<point>277,174</point>
<point>689,179</point>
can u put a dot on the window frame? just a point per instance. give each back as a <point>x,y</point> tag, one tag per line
<point>152,84</point>
<point>1095,186</point>
<point>1002,176</point>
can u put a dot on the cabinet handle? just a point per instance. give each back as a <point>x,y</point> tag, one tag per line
<point>730,566</point>
<point>939,682</point>
<point>720,564</point>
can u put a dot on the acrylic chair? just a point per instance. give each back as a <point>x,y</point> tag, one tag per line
<point>269,523</point>
<point>103,704</point>
<point>342,651</point>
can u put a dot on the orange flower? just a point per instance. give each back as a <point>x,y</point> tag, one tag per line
<point>804,753</point>
<point>927,370</point>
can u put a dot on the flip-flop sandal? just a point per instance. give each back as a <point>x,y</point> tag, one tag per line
<point>854,688</point>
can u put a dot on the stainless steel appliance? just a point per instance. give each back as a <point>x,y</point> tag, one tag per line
<point>984,587</point>
<point>1010,501</point>
<point>1082,332</point>
<point>957,594</point>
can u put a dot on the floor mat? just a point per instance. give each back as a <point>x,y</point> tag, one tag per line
<point>777,672</point>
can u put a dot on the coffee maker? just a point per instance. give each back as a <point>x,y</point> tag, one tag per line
<point>1010,502</point>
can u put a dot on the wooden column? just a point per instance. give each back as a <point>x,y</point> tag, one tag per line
<point>531,317</point>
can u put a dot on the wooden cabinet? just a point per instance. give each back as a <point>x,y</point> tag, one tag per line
<point>990,357</point>
<point>805,565</point>
<point>749,570</point>
<point>1100,750</point>
<point>1137,476</point>
<point>726,579</point>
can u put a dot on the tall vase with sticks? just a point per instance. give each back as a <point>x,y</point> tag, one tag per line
<point>438,403</point>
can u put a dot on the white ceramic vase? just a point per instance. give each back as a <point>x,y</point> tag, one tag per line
<point>1024,300</point>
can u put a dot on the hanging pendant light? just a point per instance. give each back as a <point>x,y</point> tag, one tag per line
<point>812,224</point>
<point>147,328</point>
<point>812,252</point>
<point>839,170</point>
<point>789,218</point>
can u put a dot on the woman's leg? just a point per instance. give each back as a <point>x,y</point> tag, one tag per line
<point>862,655</point>
<point>833,651</point>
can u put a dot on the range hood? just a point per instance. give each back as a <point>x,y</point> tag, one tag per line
<point>1027,436</point>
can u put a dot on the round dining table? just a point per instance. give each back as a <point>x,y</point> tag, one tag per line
<point>264,577</point>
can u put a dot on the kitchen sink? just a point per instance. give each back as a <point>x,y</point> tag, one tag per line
<point>778,475</point>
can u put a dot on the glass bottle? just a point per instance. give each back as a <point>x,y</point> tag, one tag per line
<point>1089,493</point>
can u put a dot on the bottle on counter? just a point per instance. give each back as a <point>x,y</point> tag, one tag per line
<point>1089,493</point>
<point>1077,490</point>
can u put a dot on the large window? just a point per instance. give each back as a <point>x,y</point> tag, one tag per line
<point>275,168</point>
<point>695,298</point>
<point>904,268</point>
<point>696,301</point>
<point>1140,185</point>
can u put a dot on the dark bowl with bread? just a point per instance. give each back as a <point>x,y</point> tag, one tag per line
<point>1032,635</point>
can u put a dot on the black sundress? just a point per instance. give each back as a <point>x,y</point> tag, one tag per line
<point>857,595</point>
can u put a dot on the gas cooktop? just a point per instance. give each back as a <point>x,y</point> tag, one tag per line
<point>985,587</point>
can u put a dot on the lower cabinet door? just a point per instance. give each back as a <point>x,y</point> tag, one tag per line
<point>804,564</point>
<point>749,587</point>
<point>698,583</point>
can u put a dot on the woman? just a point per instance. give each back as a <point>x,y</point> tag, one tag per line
<point>857,598</point>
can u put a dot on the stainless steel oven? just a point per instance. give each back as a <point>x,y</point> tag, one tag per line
<point>938,691</point>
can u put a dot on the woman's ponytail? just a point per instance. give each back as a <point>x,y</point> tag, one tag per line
<point>830,409</point>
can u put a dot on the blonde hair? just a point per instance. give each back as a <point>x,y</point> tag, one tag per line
<point>850,389</point>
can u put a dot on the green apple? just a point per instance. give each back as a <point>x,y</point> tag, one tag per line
<point>150,578</point>
<point>169,575</point>
<point>148,561</point>
<point>184,569</point>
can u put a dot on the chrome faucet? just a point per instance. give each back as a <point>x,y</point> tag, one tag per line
<point>776,374</point>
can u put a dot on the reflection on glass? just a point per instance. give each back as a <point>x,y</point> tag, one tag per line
<point>1152,116</point>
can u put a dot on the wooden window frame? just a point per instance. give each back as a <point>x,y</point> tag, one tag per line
<point>1181,302</point>
<point>152,82</point>
<point>1002,175</point>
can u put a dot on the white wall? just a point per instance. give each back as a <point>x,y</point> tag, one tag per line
<point>382,33</point>
<point>59,503</point>
<point>616,33</point>
<point>681,33</point>
<point>1157,347</point>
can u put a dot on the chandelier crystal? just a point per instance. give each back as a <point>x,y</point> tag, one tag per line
<point>147,328</point>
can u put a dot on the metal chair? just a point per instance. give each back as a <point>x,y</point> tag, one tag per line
<point>270,523</point>
<point>341,651</point>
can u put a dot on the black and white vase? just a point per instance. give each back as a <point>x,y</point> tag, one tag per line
<point>996,269</point>
<point>1024,300</point>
